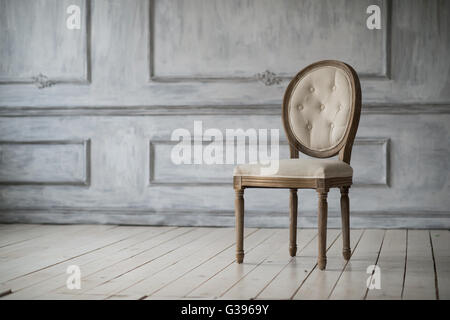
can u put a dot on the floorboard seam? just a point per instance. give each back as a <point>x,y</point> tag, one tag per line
<point>406,262</point>
<point>313,268</point>
<point>264,288</point>
<point>345,265</point>
<point>264,240</point>
<point>376,263</point>
<point>434,267</point>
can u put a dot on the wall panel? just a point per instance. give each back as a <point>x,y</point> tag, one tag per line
<point>370,162</point>
<point>100,151</point>
<point>44,162</point>
<point>204,39</point>
<point>38,47</point>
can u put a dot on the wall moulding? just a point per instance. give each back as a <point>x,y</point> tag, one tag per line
<point>264,74</point>
<point>370,161</point>
<point>148,216</point>
<point>198,110</point>
<point>43,78</point>
<point>20,160</point>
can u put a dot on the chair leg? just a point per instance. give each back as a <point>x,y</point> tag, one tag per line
<point>322,228</point>
<point>345,215</point>
<point>239,212</point>
<point>293,206</point>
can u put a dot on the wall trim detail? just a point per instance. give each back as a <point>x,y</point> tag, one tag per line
<point>42,81</point>
<point>153,181</point>
<point>85,179</point>
<point>147,216</point>
<point>86,79</point>
<point>198,110</point>
<point>268,78</point>
<point>385,74</point>
<point>386,150</point>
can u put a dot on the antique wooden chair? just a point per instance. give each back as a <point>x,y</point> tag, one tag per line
<point>321,110</point>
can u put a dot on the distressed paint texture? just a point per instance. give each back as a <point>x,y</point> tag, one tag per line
<point>35,40</point>
<point>227,39</point>
<point>155,66</point>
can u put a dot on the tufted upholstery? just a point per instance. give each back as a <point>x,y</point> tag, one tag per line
<point>319,108</point>
<point>300,168</point>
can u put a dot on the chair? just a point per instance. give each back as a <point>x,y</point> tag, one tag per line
<point>320,112</point>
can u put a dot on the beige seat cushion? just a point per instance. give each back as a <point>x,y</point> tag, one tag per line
<point>299,168</point>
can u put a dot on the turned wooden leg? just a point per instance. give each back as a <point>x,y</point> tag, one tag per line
<point>345,215</point>
<point>239,212</point>
<point>322,228</point>
<point>293,205</point>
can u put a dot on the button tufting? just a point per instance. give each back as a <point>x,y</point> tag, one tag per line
<point>333,88</point>
<point>331,125</point>
<point>311,89</point>
<point>322,107</point>
<point>300,107</point>
<point>309,127</point>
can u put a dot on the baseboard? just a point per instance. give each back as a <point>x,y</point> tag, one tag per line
<point>138,216</point>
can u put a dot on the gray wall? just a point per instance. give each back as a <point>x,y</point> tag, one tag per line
<point>86,115</point>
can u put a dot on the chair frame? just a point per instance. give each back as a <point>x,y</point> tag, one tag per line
<point>322,186</point>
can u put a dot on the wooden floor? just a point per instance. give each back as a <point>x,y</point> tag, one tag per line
<point>123,262</point>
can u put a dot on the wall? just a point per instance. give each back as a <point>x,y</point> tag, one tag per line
<point>86,115</point>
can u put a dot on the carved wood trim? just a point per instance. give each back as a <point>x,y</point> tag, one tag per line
<point>289,183</point>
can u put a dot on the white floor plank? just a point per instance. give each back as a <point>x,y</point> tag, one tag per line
<point>441,248</point>
<point>17,226</point>
<point>221,282</point>
<point>195,278</point>
<point>187,261</point>
<point>287,282</point>
<point>21,243</point>
<point>352,283</point>
<point>319,283</point>
<point>63,296</point>
<point>45,253</point>
<point>103,259</point>
<point>392,267</point>
<point>14,233</point>
<point>419,277</point>
<point>152,284</point>
<point>146,263</point>
<point>128,262</point>
<point>255,281</point>
<point>114,240</point>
